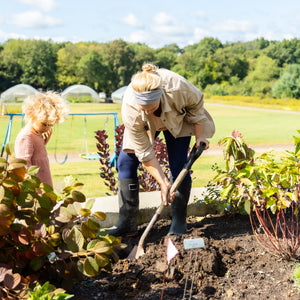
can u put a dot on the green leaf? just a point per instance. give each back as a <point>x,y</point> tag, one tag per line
<point>8,197</point>
<point>64,215</point>
<point>36,263</point>
<point>43,214</point>
<point>90,266</point>
<point>93,224</point>
<point>75,240</point>
<point>100,215</point>
<point>46,188</point>
<point>28,185</point>
<point>226,191</point>
<point>80,266</point>
<point>89,204</point>
<point>91,244</point>
<point>109,239</point>
<point>269,192</point>
<point>3,162</point>
<point>297,144</point>
<point>45,202</point>
<point>84,212</point>
<point>246,182</point>
<point>86,231</point>
<point>9,183</point>
<point>78,196</point>
<point>247,206</point>
<point>24,198</point>
<point>101,259</point>
<point>33,170</point>
<point>102,247</point>
<point>74,208</point>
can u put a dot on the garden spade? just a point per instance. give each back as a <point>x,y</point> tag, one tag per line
<point>138,250</point>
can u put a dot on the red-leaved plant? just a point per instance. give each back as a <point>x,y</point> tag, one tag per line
<point>108,171</point>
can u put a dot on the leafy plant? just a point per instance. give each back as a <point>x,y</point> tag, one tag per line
<point>46,236</point>
<point>48,292</point>
<point>266,187</point>
<point>108,174</point>
<point>223,188</point>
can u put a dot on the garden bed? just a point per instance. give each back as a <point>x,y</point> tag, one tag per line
<point>232,265</point>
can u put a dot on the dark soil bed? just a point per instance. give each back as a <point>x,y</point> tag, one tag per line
<point>232,265</point>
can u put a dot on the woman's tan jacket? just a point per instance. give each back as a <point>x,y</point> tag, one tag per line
<point>181,107</point>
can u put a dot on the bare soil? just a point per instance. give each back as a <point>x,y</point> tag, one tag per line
<point>232,265</point>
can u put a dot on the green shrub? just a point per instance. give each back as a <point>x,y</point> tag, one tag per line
<point>267,187</point>
<point>46,236</point>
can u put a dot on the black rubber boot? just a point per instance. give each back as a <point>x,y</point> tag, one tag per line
<point>179,208</point>
<point>129,208</point>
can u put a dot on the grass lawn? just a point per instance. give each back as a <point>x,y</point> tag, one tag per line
<point>74,136</point>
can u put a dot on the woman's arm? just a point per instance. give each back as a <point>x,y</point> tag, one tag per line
<point>154,168</point>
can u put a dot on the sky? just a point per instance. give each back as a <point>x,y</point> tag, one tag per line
<point>155,23</point>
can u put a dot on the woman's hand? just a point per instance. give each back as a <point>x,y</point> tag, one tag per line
<point>199,138</point>
<point>154,168</point>
<point>165,197</point>
<point>47,136</point>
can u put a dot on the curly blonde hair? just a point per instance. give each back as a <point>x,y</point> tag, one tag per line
<point>146,80</point>
<point>48,107</point>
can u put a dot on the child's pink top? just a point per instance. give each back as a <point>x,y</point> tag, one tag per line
<point>31,147</point>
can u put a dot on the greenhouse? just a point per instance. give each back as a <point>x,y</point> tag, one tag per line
<point>117,96</point>
<point>80,93</point>
<point>17,93</point>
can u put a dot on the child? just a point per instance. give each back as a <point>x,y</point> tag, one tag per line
<point>42,111</point>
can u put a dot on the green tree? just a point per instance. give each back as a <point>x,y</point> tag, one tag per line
<point>119,57</point>
<point>289,83</point>
<point>11,57</point>
<point>193,60</point>
<point>142,54</point>
<point>92,71</point>
<point>39,64</point>
<point>68,58</point>
<point>260,80</point>
<point>206,47</point>
<point>166,57</point>
<point>285,52</point>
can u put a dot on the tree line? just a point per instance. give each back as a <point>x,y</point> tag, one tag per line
<point>259,68</point>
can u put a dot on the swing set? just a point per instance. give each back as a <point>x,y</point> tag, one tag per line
<point>85,154</point>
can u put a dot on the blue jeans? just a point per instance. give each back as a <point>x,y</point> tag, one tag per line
<point>177,149</point>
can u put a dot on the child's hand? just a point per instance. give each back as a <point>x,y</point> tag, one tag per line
<point>47,135</point>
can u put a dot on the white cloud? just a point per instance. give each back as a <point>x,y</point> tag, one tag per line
<point>167,25</point>
<point>58,39</point>
<point>34,19</point>
<point>233,26</point>
<point>6,36</point>
<point>44,5</point>
<point>137,37</point>
<point>200,33</point>
<point>131,20</point>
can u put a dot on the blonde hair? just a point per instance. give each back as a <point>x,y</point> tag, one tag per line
<point>146,80</point>
<point>48,107</point>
